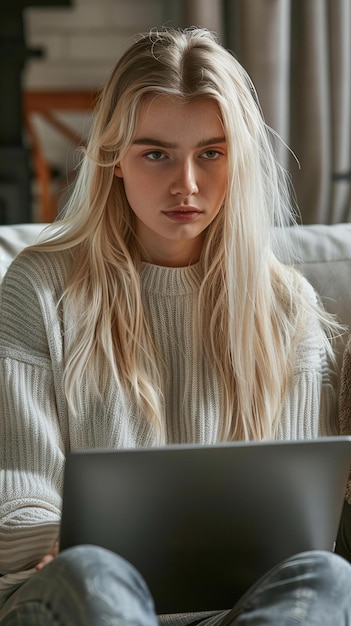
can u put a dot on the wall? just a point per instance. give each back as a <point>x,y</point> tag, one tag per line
<point>82,43</point>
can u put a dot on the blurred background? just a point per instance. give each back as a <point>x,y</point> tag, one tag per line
<point>56,54</point>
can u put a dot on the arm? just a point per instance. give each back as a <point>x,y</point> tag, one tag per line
<point>48,557</point>
<point>32,418</point>
<point>310,409</point>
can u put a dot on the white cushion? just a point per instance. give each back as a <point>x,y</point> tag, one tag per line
<point>13,239</point>
<point>324,257</point>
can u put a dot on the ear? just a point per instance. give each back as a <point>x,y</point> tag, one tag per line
<point>118,171</point>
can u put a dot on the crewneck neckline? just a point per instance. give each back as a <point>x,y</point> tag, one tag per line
<point>171,280</point>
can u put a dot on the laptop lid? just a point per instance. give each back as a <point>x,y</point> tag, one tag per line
<point>203,523</point>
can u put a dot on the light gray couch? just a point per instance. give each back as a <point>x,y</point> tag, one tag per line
<point>323,255</point>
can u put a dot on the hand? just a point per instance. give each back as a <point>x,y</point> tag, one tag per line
<point>48,557</point>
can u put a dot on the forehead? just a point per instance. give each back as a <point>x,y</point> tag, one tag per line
<point>169,115</point>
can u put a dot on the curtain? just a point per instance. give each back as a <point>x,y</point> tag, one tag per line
<point>298,54</point>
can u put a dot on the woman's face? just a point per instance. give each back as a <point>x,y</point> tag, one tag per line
<point>175,177</point>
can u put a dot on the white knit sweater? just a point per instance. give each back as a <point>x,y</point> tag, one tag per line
<point>37,428</point>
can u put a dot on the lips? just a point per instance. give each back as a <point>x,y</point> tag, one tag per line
<point>182,214</point>
<point>182,210</point>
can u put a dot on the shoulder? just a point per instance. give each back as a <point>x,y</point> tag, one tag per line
<point>297,284</point>
<point>299,303</point>
<point>294,295</point>
<point>33,270</point>
<point>30,293</point>
<point>29,296</point>
<point>311,323</point>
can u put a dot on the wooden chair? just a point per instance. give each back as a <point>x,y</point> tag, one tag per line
<point>46,103</point>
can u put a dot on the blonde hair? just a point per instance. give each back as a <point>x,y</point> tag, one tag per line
<point>255,307</point>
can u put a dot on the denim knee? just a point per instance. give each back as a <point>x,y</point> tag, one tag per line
<point>92,569</point>
<point>85,585</point>
<point>327,576</point>
<point>332,573</point>
<point>79,561</point>
<point>311,588</point>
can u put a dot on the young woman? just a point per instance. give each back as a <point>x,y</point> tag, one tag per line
<point>156,312</point>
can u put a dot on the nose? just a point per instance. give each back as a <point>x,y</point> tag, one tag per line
<point>185,181</point>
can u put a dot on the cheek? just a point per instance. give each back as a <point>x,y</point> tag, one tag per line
<point>223,187</point>
<point>133,196</point>
<point>219,188</point>
<point>137,181</point>
<point>139,195</point>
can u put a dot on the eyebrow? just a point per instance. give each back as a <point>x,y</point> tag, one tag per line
<point>150,141</point>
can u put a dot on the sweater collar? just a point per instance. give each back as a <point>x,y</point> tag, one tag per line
<point>171,280</point>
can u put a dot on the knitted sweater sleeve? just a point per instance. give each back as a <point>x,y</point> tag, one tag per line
<point>31,440</point>
<point>311,407</point>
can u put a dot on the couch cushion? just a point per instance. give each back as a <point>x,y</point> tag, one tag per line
<point>13,239</point>
<point>323,255</point>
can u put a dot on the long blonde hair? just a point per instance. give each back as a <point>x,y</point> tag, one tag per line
<point>252,307</point>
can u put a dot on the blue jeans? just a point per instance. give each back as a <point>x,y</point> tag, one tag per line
<point>90,586</point>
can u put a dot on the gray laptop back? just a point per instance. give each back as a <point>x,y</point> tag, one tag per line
<point>203,523</point>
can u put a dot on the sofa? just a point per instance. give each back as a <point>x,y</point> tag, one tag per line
<point>321,252</point>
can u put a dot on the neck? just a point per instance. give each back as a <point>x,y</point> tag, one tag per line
<point>173,254</point>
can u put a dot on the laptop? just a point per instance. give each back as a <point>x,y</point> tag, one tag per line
<point>203,523</point>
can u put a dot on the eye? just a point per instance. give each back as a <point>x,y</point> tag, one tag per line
<point>210,154</point>
<point>155,155</point>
